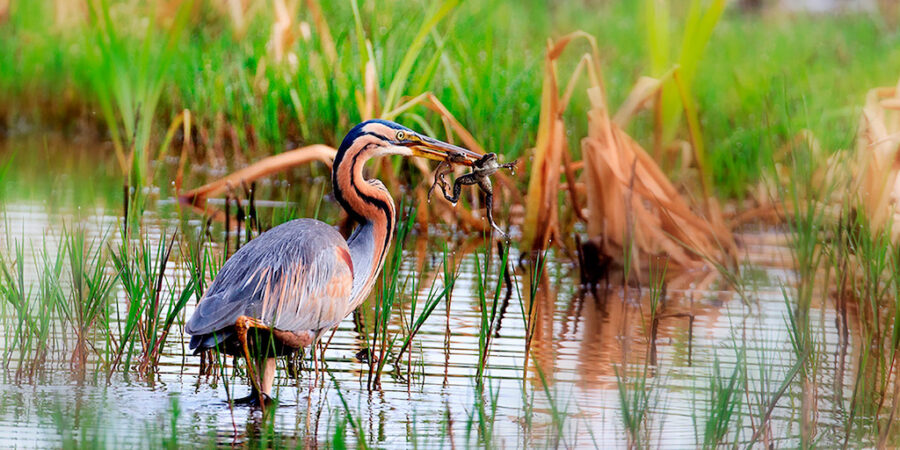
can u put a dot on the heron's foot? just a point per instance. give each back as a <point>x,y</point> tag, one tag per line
<point>242,326</point>
<point>256,400</point>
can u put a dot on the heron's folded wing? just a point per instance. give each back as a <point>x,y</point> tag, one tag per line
<point>309,294</point>
<point>298,278</point>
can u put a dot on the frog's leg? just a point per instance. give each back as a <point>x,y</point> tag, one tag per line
<point>464,180</point>
<point>439,172</point>
<point>488,189</point>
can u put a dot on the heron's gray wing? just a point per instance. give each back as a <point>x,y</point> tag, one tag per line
<point>297,277</point>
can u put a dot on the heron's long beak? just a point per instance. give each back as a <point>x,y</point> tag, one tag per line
<point>427,147</point>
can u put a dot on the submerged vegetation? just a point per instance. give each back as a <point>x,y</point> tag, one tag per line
<point>657,150</point>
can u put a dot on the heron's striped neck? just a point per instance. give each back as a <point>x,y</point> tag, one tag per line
<point>371,205</point>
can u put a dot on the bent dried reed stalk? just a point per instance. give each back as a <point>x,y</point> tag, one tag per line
<point>633,210</point>
<point>632,203</point>
<point>876,183</point>
<point>196,198</point>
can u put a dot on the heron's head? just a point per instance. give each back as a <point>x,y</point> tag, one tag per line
<point>393,138</point>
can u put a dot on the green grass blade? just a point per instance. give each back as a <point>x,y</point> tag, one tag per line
<point>401,76</point>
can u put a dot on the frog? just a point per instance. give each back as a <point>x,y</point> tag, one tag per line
<point>482,169</point>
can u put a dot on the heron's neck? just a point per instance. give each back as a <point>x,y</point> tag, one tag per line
<point>368,255</point>
<point>370,204</point>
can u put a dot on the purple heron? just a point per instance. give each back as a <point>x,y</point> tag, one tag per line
<point>301,278</point>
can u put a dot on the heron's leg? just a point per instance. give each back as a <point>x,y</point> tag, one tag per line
<point>315,349</point>
<point>268,377</point>
<point>242,325</point>
<point>261,397</point>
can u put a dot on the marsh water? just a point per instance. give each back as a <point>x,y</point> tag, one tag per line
<point>588,346</point>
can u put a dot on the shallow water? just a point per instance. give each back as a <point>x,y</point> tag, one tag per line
<point>580,344</point>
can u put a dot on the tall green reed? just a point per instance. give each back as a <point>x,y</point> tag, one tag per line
<point>87,310</point>
<point>806,197</point>
<point>4,170</point>
<point>19,298</point>
<point>699,24</point>
<point>154,301</point>
<point>766,403</point>
<point>50,296</point>
<point>724,402</point>
<point>481,417</point>
<point>53,313</point>
<point>894,322</point>
<point>635,394</point>
<point>431,303</point>
<point>202,260</point>
<point>558,415</point>
<point>339,437</point>
<point>489,318</point>
<point>535,279</point>
<point>383,340</point>
<point>31,297</point>
<point>401,76</point>
<point>636,390</point>
<point>127,78</point>
<point>867,258</point>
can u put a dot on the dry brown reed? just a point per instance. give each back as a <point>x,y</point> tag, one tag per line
<point>632,203</point>
<point>284,30</point>
<point>196,198</point>
<point>541,209</point>
<point>877,147</point>
<point>632,210</point>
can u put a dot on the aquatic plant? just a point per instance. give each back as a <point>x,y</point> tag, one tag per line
<point>127,79</point>
<point>489,311</point>
<point>16,296</point>
<point>51,295</point>
<point>635,394</point>
<point>434,299</point>
<point>382,340</point>
<point>723,410</point>
<point>701,20</point>
<point>87,310</point>
<point>152,306</point>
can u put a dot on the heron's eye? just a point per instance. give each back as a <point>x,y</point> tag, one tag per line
<point>401,135</point>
